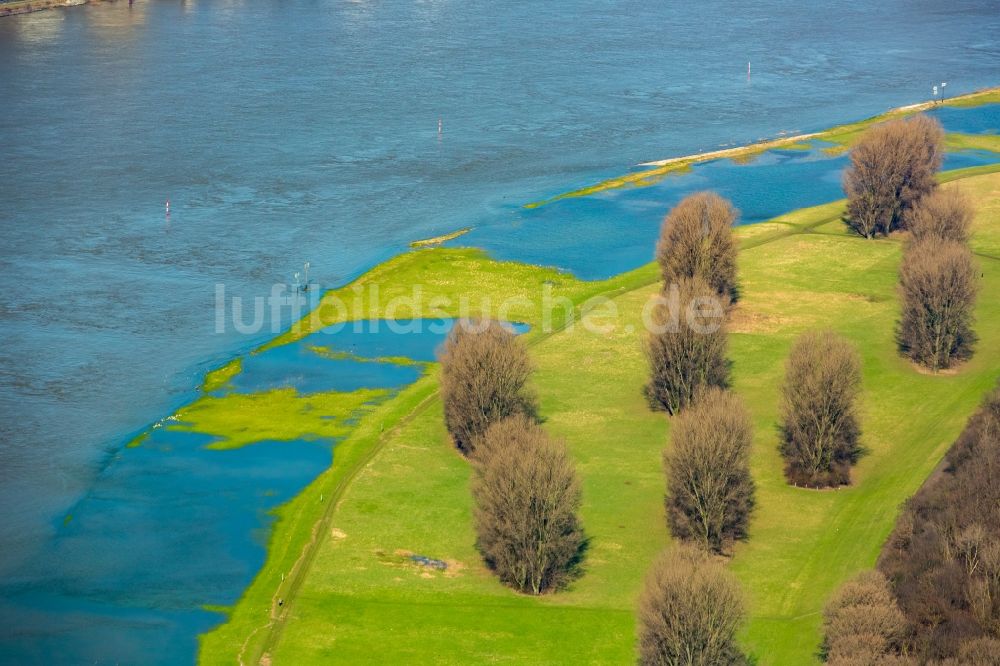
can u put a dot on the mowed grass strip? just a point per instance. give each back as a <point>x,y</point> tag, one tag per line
<point>362,598</point>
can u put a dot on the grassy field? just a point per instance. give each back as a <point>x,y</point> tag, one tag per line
<point>338,556</point>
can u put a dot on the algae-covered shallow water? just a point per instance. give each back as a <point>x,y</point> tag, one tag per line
<point>309,132</point>
<point>368,353</point>
<point>172,526</point>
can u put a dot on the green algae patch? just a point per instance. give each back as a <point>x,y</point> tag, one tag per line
<point>138,440</point>
<point>337,355</point>
<point>958,141</point>
<point>980,98</point>
<point>216,608</point>
<point>238,419</point>
<point>752,153</point>
<point>437,240</point>
<point>637,179</point>
<point>453,282</point>
<point>220,378</point>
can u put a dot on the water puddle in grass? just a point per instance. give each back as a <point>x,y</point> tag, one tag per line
<point>171,526</point>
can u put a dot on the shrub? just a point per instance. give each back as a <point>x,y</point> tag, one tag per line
<point>820,430</point>
<point>945,213</point>
<point>937,282</point>
<point>689,611</point>
<point>484,375</point>
<point>892,166</point>
<point>696,240</point>
<point>710,490</point>
<point>863,623</point>
<point>980,652</point>
<point>526,499</point>
<point>943,557</point>
<point>686,346</point>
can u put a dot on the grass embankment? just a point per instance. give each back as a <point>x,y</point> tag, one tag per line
<point>338,551</point>
<point>841,137</point>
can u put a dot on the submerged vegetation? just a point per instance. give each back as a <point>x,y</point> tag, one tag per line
<point>238,419</point>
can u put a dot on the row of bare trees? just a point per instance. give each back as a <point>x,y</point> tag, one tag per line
<point>691,607</point>
<point>891,185</point>
<point>525,487</point>
<point>697,257</point>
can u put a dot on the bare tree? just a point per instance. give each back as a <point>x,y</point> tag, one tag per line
<point>696,240</point>
<point>484,376</point>
<point>892,166</point>
<point>945,213</point>
<point>689,611</point>
<point>710,490</point>
<point>820,430</point>
<point>938,285</point>
<point>686,346</point>
<point>863,624</point>
<point>527,497</point>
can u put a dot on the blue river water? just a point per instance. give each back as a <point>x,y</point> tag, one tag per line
<point>309,132</point>
<point>171,526</point>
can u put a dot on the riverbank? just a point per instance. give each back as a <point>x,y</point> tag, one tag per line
<point>27,6</point>
<point>335,584</point>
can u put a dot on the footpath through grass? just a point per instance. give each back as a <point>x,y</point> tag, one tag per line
<point>339,553</point>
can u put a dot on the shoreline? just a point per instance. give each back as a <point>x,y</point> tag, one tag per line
<point>768,144</point>
<point>28,6</point>
<point>840,135</point>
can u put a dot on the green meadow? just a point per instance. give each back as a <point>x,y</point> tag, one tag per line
<point>338,585</point>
